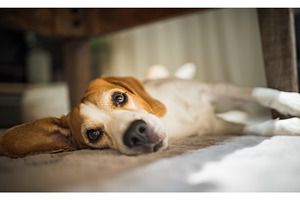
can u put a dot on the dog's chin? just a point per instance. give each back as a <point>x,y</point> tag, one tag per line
<point>146,149</point>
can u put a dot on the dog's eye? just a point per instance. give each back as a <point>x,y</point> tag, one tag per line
<point>119,98</point>
<point>94,134</point>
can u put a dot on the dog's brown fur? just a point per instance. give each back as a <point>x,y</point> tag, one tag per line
<point>64,133</point>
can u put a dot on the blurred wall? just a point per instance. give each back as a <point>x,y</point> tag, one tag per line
<point>223,43</point>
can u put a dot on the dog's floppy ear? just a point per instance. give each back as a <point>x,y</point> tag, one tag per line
<point>44,135</point>
<point>154,106</point>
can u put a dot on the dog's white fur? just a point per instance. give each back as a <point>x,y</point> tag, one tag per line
<point>191,108</point>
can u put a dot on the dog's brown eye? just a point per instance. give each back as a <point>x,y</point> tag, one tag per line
<point>119,98</point>
<point>94,134</point>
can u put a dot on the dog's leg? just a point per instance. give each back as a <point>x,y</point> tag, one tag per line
<point>226,97</point>
<point>284,102</point>
<point>289,126</point>
<point>223,127</point>
<point>287,103</point>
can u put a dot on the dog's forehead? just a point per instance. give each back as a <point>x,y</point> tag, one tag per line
<point>99,87</point>
<point>109,82</point>
<point>93,112</point>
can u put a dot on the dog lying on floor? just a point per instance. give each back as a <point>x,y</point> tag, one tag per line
<point>134,118</point>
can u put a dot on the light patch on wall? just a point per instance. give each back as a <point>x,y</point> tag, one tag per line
<point>224,44</point>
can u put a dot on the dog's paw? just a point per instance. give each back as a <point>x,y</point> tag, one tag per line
<point>289,126</point>
<point>287,103</point>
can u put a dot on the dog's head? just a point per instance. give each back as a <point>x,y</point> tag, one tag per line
<point>118,113</point>
<point>115,112</point>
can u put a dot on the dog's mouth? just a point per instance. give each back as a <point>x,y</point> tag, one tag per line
<point>148,148</point>
<point>157,146</point>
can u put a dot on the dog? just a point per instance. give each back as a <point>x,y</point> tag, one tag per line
<point>133,118</point>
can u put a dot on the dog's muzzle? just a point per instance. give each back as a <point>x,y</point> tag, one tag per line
<point>141,137</point>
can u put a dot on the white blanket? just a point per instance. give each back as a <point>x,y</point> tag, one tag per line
<point>248,163</point>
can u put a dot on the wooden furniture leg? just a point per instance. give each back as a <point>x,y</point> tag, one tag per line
<point>279,49</point>
<point>77,64</point>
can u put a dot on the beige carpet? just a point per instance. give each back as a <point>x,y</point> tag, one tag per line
<point>58,172</point>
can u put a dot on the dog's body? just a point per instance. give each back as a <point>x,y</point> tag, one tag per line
<point>118,113</point>
<point>192,108</point>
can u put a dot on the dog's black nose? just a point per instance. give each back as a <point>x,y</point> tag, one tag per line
<point>136,134</point>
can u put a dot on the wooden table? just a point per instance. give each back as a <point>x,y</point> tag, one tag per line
<point>76,26</point>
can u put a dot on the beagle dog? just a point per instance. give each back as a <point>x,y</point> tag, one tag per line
<point>124,114</point>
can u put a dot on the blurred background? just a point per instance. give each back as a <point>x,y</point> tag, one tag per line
<point>224,44</point>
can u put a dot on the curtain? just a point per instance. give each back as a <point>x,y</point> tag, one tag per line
<point>223,43</point>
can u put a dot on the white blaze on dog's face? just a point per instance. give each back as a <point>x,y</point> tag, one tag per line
<point>116,112</point>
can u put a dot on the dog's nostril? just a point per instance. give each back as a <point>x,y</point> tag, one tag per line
<point>135,141</point>
<point>142,129</point>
